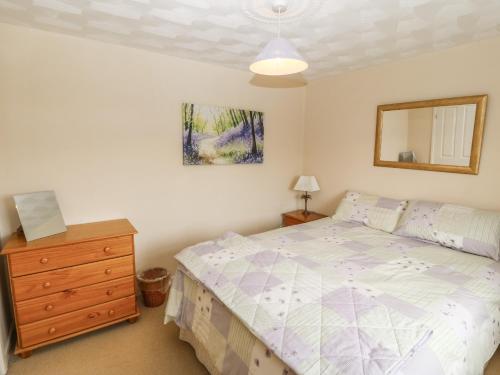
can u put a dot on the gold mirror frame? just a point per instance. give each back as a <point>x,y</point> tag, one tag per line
<point>477,139</point>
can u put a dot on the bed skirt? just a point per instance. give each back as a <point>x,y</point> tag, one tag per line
<point>200,351</point>
<point>221,342</point>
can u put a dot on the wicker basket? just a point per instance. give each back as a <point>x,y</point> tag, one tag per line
<point>154,284</point>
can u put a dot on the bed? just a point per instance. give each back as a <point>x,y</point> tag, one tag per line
<point>336,297</point>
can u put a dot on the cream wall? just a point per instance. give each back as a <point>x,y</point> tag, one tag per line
<point>100,124</point>
<point>6,325</point>
<point>395,134</point>
<point>340,127</point>
<point>407,130</point>
<point>420,124</point>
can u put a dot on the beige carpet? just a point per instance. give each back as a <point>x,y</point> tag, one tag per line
<point>146,347</point>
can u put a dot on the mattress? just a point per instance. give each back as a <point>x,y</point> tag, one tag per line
<point>449,299</point>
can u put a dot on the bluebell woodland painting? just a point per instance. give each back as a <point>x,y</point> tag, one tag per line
<point>222,135</point>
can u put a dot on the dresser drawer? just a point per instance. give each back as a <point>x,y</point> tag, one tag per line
<point>69,255</point>
<point>44,283</point>
<point>45,307</point>
<point>48,329</point>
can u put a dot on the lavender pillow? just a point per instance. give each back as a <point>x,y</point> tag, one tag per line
<point>371,210</point>
<point>461,228</point>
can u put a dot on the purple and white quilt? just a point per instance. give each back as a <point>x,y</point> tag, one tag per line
<point>333,297</point>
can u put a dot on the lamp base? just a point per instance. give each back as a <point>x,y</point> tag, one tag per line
<point>306,196</point>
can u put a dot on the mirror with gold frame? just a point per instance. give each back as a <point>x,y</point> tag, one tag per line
<point>443,135</point>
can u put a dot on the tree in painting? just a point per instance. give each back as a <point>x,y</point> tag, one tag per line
<point>220,135</point>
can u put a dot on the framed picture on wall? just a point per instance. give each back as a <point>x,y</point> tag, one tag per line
<point>215,135</point>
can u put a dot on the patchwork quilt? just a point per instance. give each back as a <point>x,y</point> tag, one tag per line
<point>221,341</point>
<point>335,297</point>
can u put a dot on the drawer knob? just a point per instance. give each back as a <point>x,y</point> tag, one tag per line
<point>44,260</point>
<point>107,271</point>
<point>49,307</point>
<point>52,330</point>
<point>107,249</point>
<point>109,292</point>
<point>46,284</point>
<point>111,312</point>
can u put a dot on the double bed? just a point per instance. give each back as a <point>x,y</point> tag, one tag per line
<point>336,297</point>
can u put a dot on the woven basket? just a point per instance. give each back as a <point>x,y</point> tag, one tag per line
<point>155,285</point>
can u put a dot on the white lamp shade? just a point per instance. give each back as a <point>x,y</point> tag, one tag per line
<point>307,183</point>
<point>278,58</point>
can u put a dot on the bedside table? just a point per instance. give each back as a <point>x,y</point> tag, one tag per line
<point>298,217</point>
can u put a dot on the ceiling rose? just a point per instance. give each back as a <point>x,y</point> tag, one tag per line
<point>262,10</point>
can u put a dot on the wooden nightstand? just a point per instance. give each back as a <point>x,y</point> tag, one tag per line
<point>298,217</point>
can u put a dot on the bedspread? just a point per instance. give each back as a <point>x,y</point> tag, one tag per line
<point>221,341</point>
<point>333,297</point>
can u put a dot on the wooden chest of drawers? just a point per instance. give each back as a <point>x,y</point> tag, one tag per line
<point>71,283</point>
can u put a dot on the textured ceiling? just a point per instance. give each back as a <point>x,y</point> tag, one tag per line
<point>333,35</point>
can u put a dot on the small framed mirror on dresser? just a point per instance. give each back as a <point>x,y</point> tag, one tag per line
<point>443,135</point>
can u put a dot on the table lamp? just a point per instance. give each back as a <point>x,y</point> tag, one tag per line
<point>306,184</point>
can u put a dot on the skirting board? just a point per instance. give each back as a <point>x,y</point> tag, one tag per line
<point>4,359</point>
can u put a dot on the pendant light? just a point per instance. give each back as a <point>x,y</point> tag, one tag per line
<point>279,57</point>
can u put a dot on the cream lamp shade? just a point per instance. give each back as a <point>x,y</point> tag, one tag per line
<point>307,183</point>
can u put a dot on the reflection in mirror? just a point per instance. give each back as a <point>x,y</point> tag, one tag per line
<point>435,135</point>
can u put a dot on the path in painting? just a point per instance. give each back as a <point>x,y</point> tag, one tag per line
<point>207,151</point>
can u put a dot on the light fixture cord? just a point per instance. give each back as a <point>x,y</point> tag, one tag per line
<point>279,22</point>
